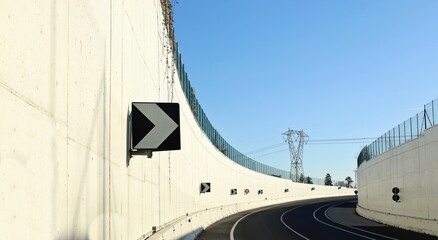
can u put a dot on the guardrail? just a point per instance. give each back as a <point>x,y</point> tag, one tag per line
<point>406,131</point>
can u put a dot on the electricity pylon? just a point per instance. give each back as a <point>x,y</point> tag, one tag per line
<point>296,152</point>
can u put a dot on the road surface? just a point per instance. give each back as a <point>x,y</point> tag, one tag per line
<point>327,218</point>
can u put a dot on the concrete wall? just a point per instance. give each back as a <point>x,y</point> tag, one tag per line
<point>69,71</point>
<point>413,168</point>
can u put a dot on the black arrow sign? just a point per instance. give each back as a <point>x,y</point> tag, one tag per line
<point>205,187</point>
<point>155,126</point>
<point>233,191</point>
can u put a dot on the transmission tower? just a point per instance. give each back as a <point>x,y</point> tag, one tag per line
<point>296,152</point>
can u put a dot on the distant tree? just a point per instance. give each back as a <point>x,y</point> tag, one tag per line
<point>301,180</point>
<point>328,180</point>
<point>349,181</point>
<point>309,180</point>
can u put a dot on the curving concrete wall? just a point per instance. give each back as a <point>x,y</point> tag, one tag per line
<point>69,71</point>
<point>413,168</point>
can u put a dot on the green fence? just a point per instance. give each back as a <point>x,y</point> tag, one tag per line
<point>402,133</point>
<point>217,140</point>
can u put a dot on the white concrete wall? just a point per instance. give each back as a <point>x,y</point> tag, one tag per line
<point>413,168</point>
<point>69,71</point>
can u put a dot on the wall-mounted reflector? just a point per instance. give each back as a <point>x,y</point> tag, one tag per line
<point>395,196</point>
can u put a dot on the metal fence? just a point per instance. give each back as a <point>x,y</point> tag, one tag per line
<point>408,130</point>
<point>218,141</point>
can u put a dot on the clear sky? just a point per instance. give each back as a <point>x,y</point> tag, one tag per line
<point>336,69</point>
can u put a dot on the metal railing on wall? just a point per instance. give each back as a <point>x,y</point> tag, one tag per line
<point>218,141</point>
<point>408,130</point>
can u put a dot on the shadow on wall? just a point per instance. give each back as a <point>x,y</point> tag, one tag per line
<point>128,138</point>
<point>71,237</point>
<point>193,234</point>
<point>85,173</point>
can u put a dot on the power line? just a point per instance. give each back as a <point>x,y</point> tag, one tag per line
<point>325,143</point>
<point>270,153</point>
<point>343,139</point>
<point>265,148</point>
<point>313,142</point>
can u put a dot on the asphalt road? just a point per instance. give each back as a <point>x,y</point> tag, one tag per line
<point>328,218</point>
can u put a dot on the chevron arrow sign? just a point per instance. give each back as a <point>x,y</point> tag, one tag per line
<point>155,126</point>
<point>233,191</point>
<point>205,187</point>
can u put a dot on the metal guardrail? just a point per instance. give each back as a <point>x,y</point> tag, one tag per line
<point>406,131</point>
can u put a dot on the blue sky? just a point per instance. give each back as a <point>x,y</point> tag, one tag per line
<point>336,69</point>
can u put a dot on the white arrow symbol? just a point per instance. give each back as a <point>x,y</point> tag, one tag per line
<point>205,188</point>
<point>164,126</point>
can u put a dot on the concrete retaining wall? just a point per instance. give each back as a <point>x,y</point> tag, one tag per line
<point>413,168</point>
<point>69,71</point>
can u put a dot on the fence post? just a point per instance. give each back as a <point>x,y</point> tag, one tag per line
<point>390,138</point>
<point>398,127</point>
<point>410,123</point>
<point>404,129</point>
<point>425,117</point>
<point>418,127</point>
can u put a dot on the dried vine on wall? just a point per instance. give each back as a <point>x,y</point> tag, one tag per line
<point>167,7</point>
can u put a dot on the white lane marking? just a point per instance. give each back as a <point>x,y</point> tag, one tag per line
<point>357,234</point>
<point>235,224</point>
<point>281,219</point>
<point>329,218</point>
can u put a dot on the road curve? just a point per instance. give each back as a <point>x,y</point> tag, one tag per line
<point>325,218</point>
